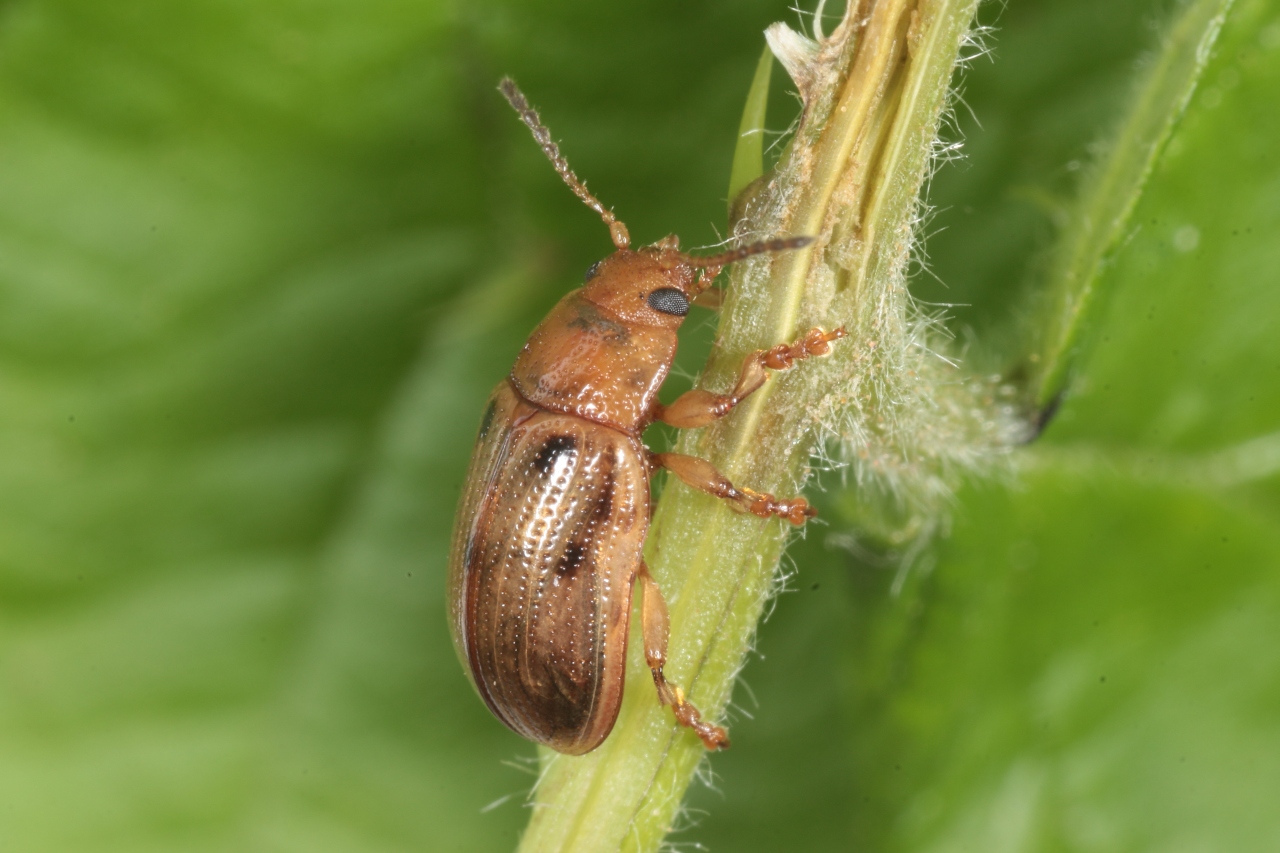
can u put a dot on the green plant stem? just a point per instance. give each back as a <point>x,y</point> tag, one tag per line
<point>851,179</point>
<point>1100,218</point>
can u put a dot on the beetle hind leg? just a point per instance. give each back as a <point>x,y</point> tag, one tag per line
<point>656,627</point>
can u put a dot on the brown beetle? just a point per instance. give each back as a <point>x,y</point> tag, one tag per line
<point>547,542</point>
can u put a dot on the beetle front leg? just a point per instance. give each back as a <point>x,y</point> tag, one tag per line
<point>656,627</point>
<point>697,408</point>
<point>702,475</point>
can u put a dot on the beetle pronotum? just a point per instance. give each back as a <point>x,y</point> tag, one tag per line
<point>547,543</point>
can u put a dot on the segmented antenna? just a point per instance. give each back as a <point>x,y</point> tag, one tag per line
<point>775,245</point>
<point>617,230</point>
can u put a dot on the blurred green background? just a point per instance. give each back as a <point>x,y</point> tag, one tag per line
<point>260,265</point>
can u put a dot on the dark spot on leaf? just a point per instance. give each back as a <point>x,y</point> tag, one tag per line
<point>1045,415</point>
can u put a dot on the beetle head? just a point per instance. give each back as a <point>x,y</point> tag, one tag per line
<point>656,285</point>
<point>653,286</point>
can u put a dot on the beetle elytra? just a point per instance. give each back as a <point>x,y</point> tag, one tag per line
<point>547,543</point>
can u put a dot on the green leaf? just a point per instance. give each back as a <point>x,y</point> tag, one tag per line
<point>748,153</point>
<point>1113,188</point>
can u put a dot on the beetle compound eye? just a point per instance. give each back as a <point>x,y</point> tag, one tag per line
<point>591,271</point>
<point>669,300</point>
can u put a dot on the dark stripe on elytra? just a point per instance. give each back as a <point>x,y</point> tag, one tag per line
<point>603,506</point>
<point>573,559</point>
<point>487,421</point>
<point>553,449</point>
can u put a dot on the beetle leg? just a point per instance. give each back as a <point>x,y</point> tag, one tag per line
<point>701,474</point>
<point>697,408</point>
<point>656,627</point>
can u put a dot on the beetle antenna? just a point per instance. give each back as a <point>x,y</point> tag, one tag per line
<point>617,229</point>
<point>724,258</point>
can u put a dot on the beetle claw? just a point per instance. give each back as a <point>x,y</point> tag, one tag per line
<point>713,737</point>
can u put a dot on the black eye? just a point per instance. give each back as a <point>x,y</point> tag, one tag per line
<point>591,271</point>
<point>669,300</point>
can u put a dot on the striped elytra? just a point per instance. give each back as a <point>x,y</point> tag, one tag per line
<point>546,573</point>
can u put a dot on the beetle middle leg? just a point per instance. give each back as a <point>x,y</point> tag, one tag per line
<point>702,475</point>
<point>656,627</point>
<point>697,408</point>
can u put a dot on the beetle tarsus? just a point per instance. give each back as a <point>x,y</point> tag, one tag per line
<point>795,510</point>
<point>713,737</point>
<point>814,342</point>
